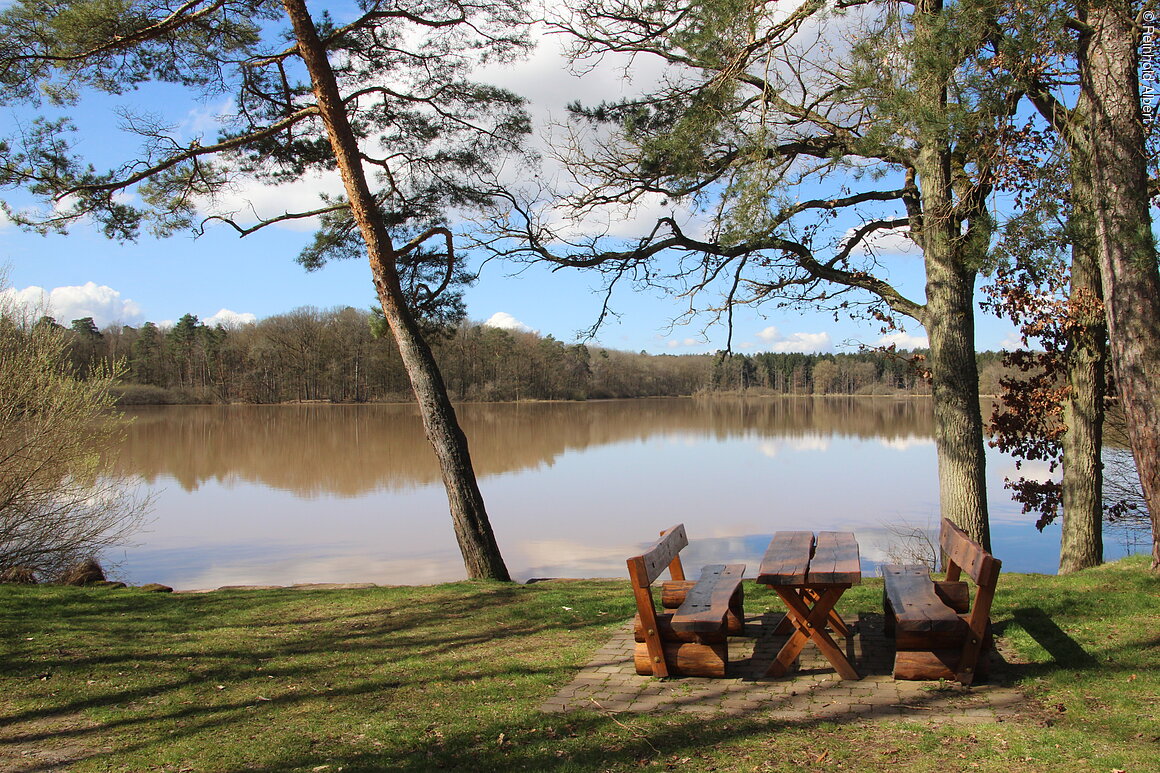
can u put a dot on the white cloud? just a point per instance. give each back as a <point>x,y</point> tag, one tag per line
<point>249,201</point>
<point>902,340</point>
<point>208,120</point>
<point>894,241</point>
<point>505,321</point>
<point>231,319</point>
<point>1011,342</point>
<point>687,342</point>
<point>775,341</point>
<point>101,302</point>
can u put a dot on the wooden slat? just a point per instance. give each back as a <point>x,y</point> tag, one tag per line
<point>664,626</point>
<point>835,560</point>
<point>661,553</point>
<point>966,553</point>
<point>914,603</point>
<point>707,603</point>
<point>787,560</point>
<point>926,666</point>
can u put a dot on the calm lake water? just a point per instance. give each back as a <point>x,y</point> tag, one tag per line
<point>325,493</point>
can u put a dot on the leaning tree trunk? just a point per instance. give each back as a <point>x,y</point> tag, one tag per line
<point>477,543</point>
<point>949,315</point>
<point>1081,539</point>
<point>1123,229</point>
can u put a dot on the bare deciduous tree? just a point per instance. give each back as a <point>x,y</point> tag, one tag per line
<point>59,500</point>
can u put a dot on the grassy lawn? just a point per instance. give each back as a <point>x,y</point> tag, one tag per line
<point>450,677</point>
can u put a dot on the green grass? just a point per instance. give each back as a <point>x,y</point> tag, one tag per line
<point>450,678</point>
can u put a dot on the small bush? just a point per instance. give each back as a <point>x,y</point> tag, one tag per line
<point>85,572</point>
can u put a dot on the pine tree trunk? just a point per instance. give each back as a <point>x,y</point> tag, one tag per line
<point>1123,229</point>
<point>477,543</point>
<point>949,316</point>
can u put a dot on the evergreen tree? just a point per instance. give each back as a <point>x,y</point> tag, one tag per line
<point>384,99</point>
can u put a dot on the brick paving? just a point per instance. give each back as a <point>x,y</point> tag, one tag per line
<point>811,692</point>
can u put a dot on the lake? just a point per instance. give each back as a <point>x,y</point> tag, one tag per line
<point>351,493</point>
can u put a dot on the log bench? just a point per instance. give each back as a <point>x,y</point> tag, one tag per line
<point>691,638</point>
<point>938,634</point>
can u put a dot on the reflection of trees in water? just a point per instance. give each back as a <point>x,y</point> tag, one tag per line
<point>350,450</point>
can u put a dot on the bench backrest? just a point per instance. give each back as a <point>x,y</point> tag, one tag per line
<point>662,554</point>
<point>963,554</point>
<point>642,571</point>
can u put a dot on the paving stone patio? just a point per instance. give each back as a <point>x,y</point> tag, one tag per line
<point>811,692</point>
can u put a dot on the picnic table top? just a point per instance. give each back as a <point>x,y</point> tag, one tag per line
<point>801,558</point>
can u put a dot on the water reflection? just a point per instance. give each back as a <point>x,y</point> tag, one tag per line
<point>355,450</point>
<point>285,494</point>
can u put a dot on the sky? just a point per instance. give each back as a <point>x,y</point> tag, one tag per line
<point>223,278</point>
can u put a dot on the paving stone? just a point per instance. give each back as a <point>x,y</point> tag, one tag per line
<point>811,690</point>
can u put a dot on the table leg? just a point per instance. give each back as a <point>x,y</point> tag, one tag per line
<point>835,620</point>
<point>810,624</point>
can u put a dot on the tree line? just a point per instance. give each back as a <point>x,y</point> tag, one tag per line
<point>338,355</point>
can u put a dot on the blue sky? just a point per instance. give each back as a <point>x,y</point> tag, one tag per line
<point>220,277</point>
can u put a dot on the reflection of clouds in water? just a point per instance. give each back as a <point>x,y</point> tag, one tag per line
<point>566,558</point>
<point>771,448</point>
<point>906,443</point>
<point>1031,469</point>
<point>809,443</point>
<point>304,564</point>
<point>1003,508</point>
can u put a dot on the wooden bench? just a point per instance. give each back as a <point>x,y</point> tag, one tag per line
<point>690,640</point>
<point>938,634</point>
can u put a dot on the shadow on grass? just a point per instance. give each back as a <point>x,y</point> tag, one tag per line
<point>110,674</point>
<point>1065,652</point>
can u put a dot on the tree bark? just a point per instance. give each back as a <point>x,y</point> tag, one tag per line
<point>1081,539</point>
<point>473,531</point>
<point>950,285</point>
<point>1123,228</point>
<point>958,419</point>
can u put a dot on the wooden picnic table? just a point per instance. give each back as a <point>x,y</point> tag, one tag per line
<point>810,573</point>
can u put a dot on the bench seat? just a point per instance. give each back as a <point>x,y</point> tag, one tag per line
<point>919,616</point>
<point>708,603</point>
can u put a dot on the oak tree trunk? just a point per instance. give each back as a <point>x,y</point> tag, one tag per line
<point>1081,540</point>
<point>958,430</point>
<point>477,543</point>
<point>1123,229</point>
<point>949,315</point>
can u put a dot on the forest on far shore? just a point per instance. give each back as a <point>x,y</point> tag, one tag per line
<point>335,355</point>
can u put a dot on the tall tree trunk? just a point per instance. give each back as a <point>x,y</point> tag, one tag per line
<point>958,419</point>
<point>1081,543</point>
<point>477,543</point>
<point>949,315</point>
<point>1123,228</point>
